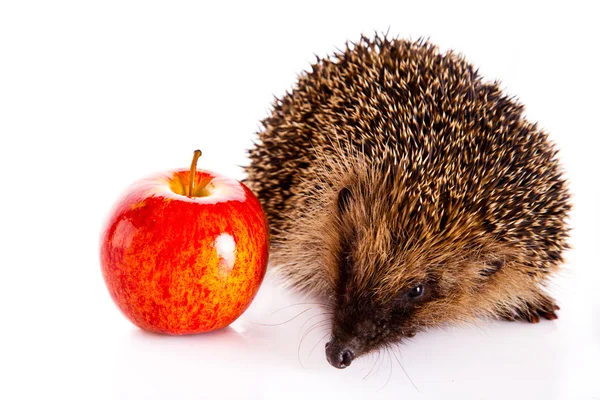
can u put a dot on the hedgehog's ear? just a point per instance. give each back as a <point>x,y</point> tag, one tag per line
<point>344,198</point>
<point>491,267</point>
<point>491,263</point>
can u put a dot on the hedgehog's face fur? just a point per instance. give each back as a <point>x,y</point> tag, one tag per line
<point>387,283</point>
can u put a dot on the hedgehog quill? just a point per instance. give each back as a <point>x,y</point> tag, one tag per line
<point>409,193</point>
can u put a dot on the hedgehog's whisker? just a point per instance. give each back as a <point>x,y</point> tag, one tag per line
<point>315,346</point>
<point>387,350</point>
<point>318,324</point>
<point>297,304</point>
<point>285,322</point>
<point>397,347</point>
<point>313,326</point>
<point>405,373</point>
<point>380,361</point>
<point>314,316</point>
<point>374,363</point>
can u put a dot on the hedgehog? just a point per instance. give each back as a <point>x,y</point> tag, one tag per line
<point>408,193</point>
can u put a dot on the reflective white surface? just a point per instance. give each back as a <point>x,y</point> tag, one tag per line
<point>264,356</point>
<point>94,96</point>
<point>274,352</point>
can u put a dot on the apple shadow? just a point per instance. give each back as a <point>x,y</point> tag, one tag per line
<point>227,336</point>
<point>216,333</point>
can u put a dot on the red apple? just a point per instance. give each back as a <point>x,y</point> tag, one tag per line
<point>185,252</point>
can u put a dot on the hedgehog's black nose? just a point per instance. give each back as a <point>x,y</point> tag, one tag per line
<point>338,356</point>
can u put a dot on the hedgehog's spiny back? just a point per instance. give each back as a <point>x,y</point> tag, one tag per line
<point>426,120</point>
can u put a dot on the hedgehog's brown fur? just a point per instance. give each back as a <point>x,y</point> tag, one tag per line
<point>447,183</point>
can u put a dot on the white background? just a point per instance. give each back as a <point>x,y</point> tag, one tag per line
<point>95,95</point>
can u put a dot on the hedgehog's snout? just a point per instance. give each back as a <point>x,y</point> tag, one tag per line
<point>338,354</point>
<point>347,344</point>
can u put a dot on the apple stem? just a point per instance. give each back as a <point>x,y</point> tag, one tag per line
<point>197,154</point>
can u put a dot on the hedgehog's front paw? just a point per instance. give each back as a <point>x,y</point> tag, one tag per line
<point>532,312</point>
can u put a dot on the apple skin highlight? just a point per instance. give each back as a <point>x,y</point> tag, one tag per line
<point>177,264</point>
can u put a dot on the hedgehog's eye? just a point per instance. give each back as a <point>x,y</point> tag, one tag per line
<point>416,291</point>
